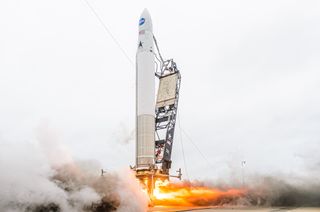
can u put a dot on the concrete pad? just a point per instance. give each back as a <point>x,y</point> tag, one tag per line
<point>233,209</point>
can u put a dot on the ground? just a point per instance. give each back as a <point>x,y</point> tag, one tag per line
<point>233,209</point>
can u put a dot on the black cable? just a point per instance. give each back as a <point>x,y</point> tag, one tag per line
<point>202,155</point>
<point>108,31</point>
<point>183,154</point>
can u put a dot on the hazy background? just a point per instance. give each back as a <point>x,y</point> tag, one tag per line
<point>250,81</point>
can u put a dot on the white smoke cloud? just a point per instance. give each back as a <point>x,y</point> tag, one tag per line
<point>123,135</point>
<point>42,175</point>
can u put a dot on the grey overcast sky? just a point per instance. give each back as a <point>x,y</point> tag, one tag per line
<point>250,80</point>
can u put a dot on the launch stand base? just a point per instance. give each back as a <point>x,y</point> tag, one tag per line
<point>149,177</point>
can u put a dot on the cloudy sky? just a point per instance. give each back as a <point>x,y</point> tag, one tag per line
<point>250,80</point>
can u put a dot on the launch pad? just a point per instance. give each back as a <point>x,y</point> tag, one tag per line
<point>156,112</point>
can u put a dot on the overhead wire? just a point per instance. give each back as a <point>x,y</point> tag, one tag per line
<point>182,147</point>
<point>197,148</point>
<point>108,30</point>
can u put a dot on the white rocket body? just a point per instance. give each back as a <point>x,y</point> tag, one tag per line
<point>145,94</point>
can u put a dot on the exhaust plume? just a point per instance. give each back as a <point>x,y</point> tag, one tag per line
<point>263,191</point>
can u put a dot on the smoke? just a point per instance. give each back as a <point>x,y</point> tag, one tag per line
<point>283,191</point>
<point>42,176</point>
<point>123,135</point>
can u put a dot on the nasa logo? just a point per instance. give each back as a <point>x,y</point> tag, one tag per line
<point>141,21</point>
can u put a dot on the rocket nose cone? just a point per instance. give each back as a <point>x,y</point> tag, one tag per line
<point>145,13</point>
<point>145,22</point>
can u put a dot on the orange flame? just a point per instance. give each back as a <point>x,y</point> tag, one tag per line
<point>183,194</point>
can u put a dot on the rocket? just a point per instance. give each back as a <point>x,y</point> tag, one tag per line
<point>155,119</point>
<point>145,95</point>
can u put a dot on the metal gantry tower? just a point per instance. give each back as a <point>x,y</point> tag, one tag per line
<point>166,114</point>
